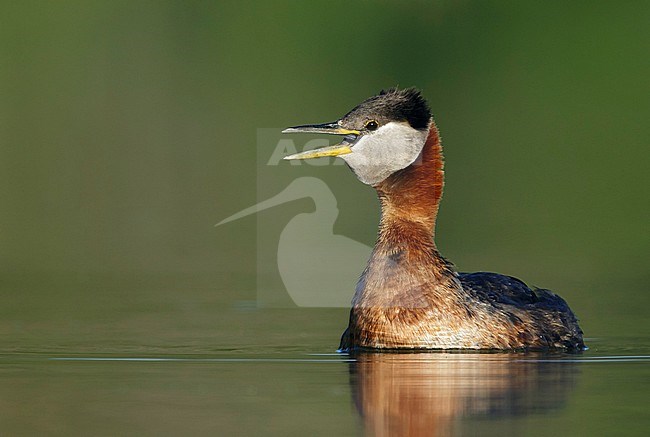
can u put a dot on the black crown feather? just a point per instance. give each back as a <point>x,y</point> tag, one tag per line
<point>394,105</point>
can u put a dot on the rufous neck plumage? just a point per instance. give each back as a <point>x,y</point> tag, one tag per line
<point>410,197</point>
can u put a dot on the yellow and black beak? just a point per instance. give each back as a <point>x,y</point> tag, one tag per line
<point>343,148</point>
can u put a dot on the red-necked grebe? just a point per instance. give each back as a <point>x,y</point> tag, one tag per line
<point>409,296</point>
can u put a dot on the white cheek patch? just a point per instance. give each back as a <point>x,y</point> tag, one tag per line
<point>390,148</point>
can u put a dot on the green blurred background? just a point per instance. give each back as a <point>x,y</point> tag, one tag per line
<point>128,129</point>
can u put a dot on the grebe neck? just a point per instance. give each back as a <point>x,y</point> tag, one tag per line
<point>410,197</point>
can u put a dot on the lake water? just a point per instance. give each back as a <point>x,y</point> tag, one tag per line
<point>246,371</point>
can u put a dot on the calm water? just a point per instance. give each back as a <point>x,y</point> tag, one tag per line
<point>148,375</point>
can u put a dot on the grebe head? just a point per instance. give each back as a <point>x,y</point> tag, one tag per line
<point>383,134</point>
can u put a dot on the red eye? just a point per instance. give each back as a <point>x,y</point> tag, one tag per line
<point>372,125</point>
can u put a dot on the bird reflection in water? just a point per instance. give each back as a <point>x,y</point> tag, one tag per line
<point>425,394</point>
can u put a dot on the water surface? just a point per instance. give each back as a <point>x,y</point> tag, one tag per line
<point>273,390</point>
